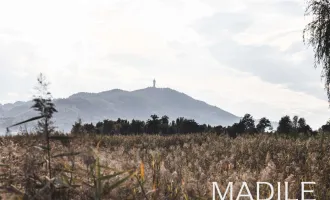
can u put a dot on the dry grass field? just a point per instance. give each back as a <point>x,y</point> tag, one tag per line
<point>160,167</point>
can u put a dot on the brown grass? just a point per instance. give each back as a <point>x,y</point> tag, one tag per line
<point>172,167</point>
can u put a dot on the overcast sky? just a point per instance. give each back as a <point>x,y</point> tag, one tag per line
<point>244,56</point>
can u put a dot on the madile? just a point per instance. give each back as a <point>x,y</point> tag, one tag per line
<point>245,191</point>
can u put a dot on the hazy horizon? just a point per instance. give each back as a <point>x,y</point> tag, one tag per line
<point>243,56</point>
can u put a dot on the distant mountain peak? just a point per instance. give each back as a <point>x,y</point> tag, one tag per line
<point>137,104</point>
<point>113,90</point>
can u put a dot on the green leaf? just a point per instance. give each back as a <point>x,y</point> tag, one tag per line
<point>29,120</point>
<point>66,154</point>
<point>3,165</point>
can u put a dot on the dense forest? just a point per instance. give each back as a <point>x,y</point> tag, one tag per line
<point>163,125</point>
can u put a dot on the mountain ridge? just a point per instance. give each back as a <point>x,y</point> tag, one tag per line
<point>118,103</point>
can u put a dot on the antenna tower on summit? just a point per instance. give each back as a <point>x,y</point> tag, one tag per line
<point>154,83</point>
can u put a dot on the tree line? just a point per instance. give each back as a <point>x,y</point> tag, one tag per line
<point>162,125</point>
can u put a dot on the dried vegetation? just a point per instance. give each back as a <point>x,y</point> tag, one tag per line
<point>159,167</point>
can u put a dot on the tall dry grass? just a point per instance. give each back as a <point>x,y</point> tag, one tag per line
<point>158,167</point>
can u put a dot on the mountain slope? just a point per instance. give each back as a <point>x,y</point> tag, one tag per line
<point>113,104</point>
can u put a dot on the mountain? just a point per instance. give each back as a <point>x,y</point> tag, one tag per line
<point>113,104</point>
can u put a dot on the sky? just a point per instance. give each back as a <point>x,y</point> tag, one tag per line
<point>244,56</point>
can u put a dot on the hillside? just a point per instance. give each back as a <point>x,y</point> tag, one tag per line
<point>113,104</point>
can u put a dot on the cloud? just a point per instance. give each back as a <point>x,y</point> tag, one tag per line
<point>245,56</point>
<point>288,7</point>
<point>257,40</point>
<point>270,65</point>
<point>220,26</point>
<point>13,94</point>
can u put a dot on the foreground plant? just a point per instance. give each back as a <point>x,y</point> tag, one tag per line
<point>100,183</point>
<point>44,105</point>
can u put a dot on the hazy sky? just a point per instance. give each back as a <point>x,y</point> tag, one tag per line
<point>245,56</point>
